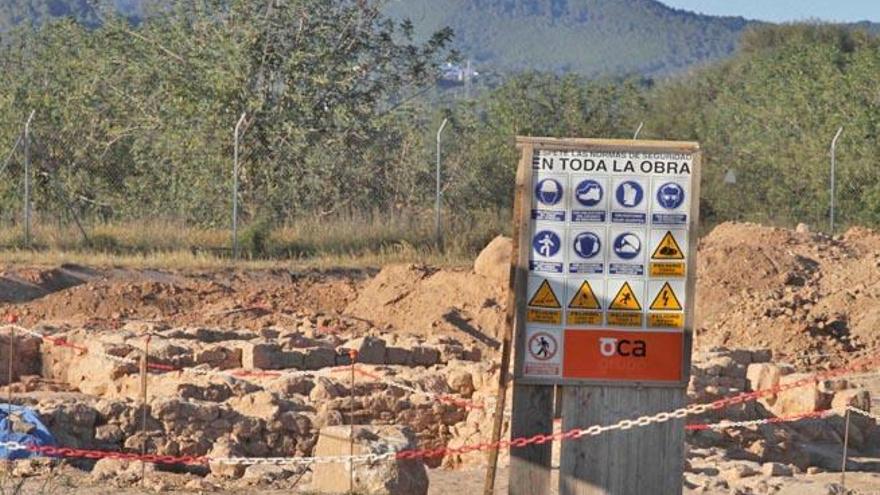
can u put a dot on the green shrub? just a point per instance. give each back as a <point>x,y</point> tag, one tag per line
<point>255,238</point>
<point>104,243</point>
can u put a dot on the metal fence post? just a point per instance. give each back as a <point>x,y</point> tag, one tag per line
<point>235,190</point>
<point>833,169</point>
<point>437,232</point>
<point>845,448</point>
<point>27,179</point>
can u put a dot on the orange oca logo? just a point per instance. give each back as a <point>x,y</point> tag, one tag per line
<point>610,346</point>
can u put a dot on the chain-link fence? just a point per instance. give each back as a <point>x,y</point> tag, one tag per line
<point>61,193</point>
<point>139,193</point>
<point>274,198</point>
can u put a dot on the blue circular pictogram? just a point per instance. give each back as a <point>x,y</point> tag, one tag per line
<point>546,243</point>
<point>670,195</point>
<point>587,245</point>
<point>627,246</point>
<point>548,192</point>
<point>630,194</point>
<point>588,193</point>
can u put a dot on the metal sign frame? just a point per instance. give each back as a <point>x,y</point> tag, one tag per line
<point>528,146</point>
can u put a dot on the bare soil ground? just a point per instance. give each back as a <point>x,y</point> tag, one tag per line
<point>798,294</point>
<point>443,482</point>
<point>809,299</point>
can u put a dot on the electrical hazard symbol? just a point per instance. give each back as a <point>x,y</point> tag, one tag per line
<point>668,249</point>
<point>584,298</point>
<point>625,299</point>
<point>666,300</point>
<point>545,297</point>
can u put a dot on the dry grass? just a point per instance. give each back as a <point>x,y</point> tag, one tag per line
<point>189,260</point>
<point>353,241</point>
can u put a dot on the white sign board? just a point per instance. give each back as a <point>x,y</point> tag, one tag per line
<point>610,266</point>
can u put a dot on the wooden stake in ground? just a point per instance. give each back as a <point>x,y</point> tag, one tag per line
<point>11,319</point>
<point>845,454</point>
<point>11,371</point>
<point>515,280</point>
<point>352,354</point>
<point>144,358</point>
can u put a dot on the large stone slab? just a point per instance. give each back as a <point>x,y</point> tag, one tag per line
<point>394,477</point>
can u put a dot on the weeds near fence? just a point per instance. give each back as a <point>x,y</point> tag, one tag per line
<point>11,485</point>
<point>352,240</point>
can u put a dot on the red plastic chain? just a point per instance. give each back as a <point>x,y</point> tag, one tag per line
<point>12,319</point>
<point>719,404</point>
<point>255,374</point>
<point>162,367</point>
<point>61,342</point>
<point>124,456</point>
<point>479,447</point>
<point>443,451</point>
<point>816,414</point>
<point>823,375</point>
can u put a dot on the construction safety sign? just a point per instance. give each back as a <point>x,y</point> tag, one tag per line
<point>608,227</point>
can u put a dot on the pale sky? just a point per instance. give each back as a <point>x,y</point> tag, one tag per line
<point>786,10</point>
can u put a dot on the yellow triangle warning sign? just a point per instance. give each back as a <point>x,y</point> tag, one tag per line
<point>625,299</point>
<point>585,298</point>
<point>545,297</point>
<point>666,299</point>
<point>668,249</point>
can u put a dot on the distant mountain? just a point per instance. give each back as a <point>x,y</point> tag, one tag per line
<point>14,12</point>
<point>589,37</point>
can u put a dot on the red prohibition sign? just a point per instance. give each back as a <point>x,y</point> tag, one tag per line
<point>542,346</point>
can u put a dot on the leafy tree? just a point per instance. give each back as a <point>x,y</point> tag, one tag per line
<point>482,160</point>
<point>136,120</point>
<point>139,119</point>
<point>769,115</point>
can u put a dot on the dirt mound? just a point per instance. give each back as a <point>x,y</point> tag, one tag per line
<point>422,300</point>
<point>795,293</point>
<point>103,300</point>
<point>227,299</point>
<point>494,261</point>
<point>740,258</point>
<point>30,283</point>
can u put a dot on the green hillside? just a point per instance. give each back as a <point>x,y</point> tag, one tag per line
<point>767,115</point>
<point>585,37</point>
<point>15,12</point>
<point>588,37</point>
<point>87,12</point>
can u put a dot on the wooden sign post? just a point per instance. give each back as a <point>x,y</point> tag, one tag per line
<point>604,291</point>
